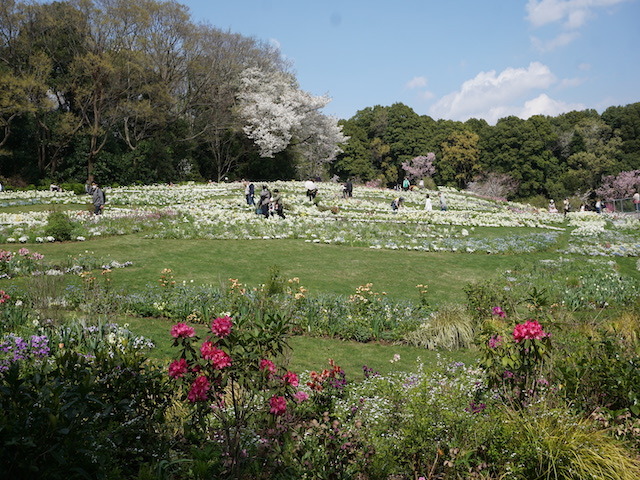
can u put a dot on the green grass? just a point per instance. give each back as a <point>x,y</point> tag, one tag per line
<point>309,353</point>
<point>321,268</point>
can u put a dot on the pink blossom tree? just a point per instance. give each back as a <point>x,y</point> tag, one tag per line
<point>420,167</point>
<point>623,185</point>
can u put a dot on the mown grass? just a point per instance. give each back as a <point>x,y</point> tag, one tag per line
<point>321,268</point>
<point>312,353</point>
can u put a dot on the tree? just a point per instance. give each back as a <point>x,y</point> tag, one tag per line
<point>278,114</point>
<point>494,185</point>
<point>420,167</point>
<point>460,158</point>
<point>623,185</point>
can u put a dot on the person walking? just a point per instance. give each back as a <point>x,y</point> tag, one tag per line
<point>263,203</point>
<point>636,201</point>
<point>428,206</point>
<point>249,193</point>
<point>443,202</point>
<point>97,197</point>
<point>347,192</point>
<point>276,201</point>
<point>312,190</point>
<point>565,206</point>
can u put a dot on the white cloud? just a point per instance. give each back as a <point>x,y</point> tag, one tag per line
<point>426,95</point>
<point>572,13</point>
<point>416,82</point>
<point>489,95</point>
<point>544,105</point>
<point>571,82</point>
<point>561,40</point>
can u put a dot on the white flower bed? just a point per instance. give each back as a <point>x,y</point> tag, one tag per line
<point>219,211</point>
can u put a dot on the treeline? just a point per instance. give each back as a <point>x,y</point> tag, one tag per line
<point>136,92</point>
<point>127,92</point>
<point>550,156</point>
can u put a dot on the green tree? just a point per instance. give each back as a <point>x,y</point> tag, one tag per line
<point>460,158</point>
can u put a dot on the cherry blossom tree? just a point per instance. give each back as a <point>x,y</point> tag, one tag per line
<point>278,114</point>
<point>623,185</point>
<point>420,167</point>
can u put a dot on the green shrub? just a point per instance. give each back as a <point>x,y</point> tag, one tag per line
<point>77,188</point>
<point>82,417</point>
<point>59,226</point>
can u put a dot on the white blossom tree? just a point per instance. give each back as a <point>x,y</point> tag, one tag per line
<point>278,114</point>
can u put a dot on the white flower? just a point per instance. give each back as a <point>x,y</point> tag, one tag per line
<point>50,239</point>
<point>23,239</point>
<point>11,240</point>
<point>80,239</point>
<point>39,239</point>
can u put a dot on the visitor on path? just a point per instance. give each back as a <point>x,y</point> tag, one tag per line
<point>249,193</point>
<point>565,206</point>
<point>276,203</point>
<point>598,206</point>
<point>312,190</point>
<point>428,206</point>
<point>552,206</point>
<point>347,192</point>
<point>636,201</point>
<point>406,184</point>
<point>396,204</point>
<point>263,203</point>
<point>443,202</point>
<point>97,197</point>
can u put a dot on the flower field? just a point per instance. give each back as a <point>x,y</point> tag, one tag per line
<point>211,388</point>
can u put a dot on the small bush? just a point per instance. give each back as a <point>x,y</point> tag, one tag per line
<point>59,226</point>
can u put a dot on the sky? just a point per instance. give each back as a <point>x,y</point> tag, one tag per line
<point>449,59</point>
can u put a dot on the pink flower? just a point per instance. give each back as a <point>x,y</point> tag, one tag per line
<point>290,378</point>
<point>182,330</point>
<point>219,358</point>
<point>498,312</point>
<point>267,365</point>
<point>495,341</point>
<point>300,396</point>
<point>23,251</point>
<point>199,389</point>
<point>221,326</point>
<point>178,368</point>
<point>278,405</point>
<point>4,296</point>
<point>530,330</point>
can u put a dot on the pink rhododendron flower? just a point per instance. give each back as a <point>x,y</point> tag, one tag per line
<point>178,368</point>
<point>199,389</point>
<point>498,312</point>
<point>219,358</point>
<point>182,330</point>
<point>23,251</point>
<point>221,326</point>
<point>300,396</point>
<point>290,378</point>
<point>278,405</point>
<point>529,330</point>
<point>495,341</point>
<point>267,365</point>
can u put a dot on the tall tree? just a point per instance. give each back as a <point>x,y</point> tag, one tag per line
<point>460,158</point>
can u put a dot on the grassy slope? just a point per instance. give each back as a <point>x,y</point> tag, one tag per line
<point>321,268</point>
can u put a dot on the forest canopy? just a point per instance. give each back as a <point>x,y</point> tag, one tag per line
<point>136,92</point>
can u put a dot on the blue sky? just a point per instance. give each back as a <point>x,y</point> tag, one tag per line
<point>449,59</point>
